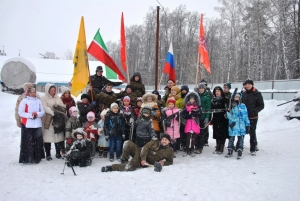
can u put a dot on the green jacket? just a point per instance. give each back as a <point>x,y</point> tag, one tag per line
<point>179,103</point>
<point>205,104</point>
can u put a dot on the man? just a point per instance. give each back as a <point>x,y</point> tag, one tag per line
<point>157,153</point>
<point>170,84</point>
<point>99,81</point>
<point>254,102</point>
<point>226,88</point>
<point>105,97</point>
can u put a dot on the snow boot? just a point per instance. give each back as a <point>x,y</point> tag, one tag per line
<point>104,154</point>
<point>256,148</point>
<point>106,168</point>
<point>230,151</point>
<point>217,149</point>
<point>101,152</point>
<point>239,155</point>
<point>47,147</point>
<point>111,159</point>
<point>221,149</point>
<point>57,149</point>
<point>185,154</point>
<point>198,151</point>
<point>253,153</point>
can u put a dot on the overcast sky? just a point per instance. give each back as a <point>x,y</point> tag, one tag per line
<point>38,26</point>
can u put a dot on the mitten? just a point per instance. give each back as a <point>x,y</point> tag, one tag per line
<point>206,121</point>
<point>123,136</point>
<point>69,141</point>
<point>232,125</point>
<point>247,129</point>
<point>157,167</point>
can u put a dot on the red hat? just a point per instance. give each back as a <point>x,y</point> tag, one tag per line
<point>171,100</point>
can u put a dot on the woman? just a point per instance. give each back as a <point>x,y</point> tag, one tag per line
<point>50,133</point>
<point>219,121</point>
<point>31,110</point>
<point>67,99</point>
<point>137,85</point>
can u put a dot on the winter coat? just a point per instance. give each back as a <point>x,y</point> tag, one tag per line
<point>48,103</point>
<point>72,124</point>
<point>219,121</point>
<point>84,108</point>
<point>138,88</point>
<point>239,116</point>
<point>26,108</point>
<point>144,131</point>
<point>80,153</point>
<point>205,104</point>
<point>98,83</point>
<point>102,142</point>
<point>173,129</point>
<point>190,111</point>
<point>122,94</point>
<point>253,101</point>
<point>176,97</point>
<point>155,114</point>
<point>180,103</point>
<point>69,102</point>
<point>113,124</point>
<point>128,112</point>
<point>91,129</point>
<point>227,95</point>
<point>105,99</point>
<point>153,152</point>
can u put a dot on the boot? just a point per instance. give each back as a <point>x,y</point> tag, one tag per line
<point>217,149</point>
<point>221,149</point>
<point>230,151</point>
<point>106,168</point>
<point>104,154</point>
<point>198,151</point>
<point>239,155</point>
<point>100,152</point>
<point>57,149</point>
<point>47,147</point>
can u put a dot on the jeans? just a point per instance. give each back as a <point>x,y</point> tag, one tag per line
<point>239,144</point>
<point>115,141</point>
<point>253,139</point>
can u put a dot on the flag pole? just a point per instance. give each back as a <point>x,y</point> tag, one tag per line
<point>156,48</point>
<point>160,80</point>
<point>197,70</point>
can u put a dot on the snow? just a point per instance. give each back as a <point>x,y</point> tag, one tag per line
<point>271,175</point>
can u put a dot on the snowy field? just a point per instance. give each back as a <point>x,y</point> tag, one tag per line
<point>271,175</point>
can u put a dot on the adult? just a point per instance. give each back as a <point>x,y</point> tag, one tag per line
<point>99,81</point>
<point>67,99</point>
<point>254,102</point>
<point>170,84</point>
<point>160,101</point>
<point>220,123</point>
<point>50,134</point>
<point>31,111</point>
<point>84,107</point>
<point>105,97</point>
<point>137,85</point>
<point>128,92</point>
<point>153,152</point>
<point>226,89</point>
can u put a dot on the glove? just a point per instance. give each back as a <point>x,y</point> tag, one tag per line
<point>69,141</point>
<point>123,136</point>
<point>94,103</point>
<point>232,125</point>
<point>154,138</point>
<point>206,121</point>
<point>106,138</point>
<point>34,115</point>
<point>247,129</point>
<point>131,120</point>
<point>157,167</point>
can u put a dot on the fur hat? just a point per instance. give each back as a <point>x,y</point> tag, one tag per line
<point>185,87</point>
<point>129,86</point>
<point>248,81</point>
<point>71,110</point>
<point>27,85</point>
<point>166,136</point>
<point>126,98</point>
<point>136,74</point>
<point>84,96</point>
<point>146,110</point>
<point>99,68</point>
<point>171,100</point>
<point>79,131</point>
<point>64,90</point>
<point>114,105</point>
<point>91,114</point>
<point>175,88</point>
<point>147,95</point>
<point>228,84</point>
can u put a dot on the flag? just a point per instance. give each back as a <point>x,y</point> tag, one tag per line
<point>99,50</point>
<point>202,47</point>
<point>81,66</point>
<point>169,67</point>
<point>123,45</point>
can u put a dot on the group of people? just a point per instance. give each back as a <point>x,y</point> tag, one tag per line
<point>144,126</point>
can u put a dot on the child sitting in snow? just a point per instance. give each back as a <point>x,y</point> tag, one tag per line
<point>90,127</point>
<point>72,124</point>
<point>103,144</point>
<point>80,151</point>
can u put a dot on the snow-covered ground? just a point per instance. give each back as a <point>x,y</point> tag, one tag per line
<point>271,175</point>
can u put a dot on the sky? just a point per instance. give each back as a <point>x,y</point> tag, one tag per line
<point>33,26</point>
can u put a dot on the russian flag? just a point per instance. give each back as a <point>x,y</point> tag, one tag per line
<point>169,67</point>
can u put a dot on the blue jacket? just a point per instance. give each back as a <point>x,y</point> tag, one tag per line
<point>239,115</point>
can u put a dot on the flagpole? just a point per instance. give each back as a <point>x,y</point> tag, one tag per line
<point>197,70</point>
<point>160,80</point>
<point>156,48</point>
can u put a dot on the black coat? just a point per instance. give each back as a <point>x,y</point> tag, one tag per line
<point>80,153</point>
<point>253,101</point>
<point>84,108</point>
<point>98,82</point>
<point>114,124</point>
<point>144,131</point>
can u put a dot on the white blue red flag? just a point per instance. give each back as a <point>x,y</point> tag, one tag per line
<point>169,67</point>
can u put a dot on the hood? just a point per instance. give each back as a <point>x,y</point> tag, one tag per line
<point>218,88</point>
<point>47,87</point>
<point>149,94</point>
<point>196,97</point>
<point>80,131</point>
<point>136,74</point>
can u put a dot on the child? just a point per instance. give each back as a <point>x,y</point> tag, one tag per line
<point>90,127</point>
<point>144,128</point>
<point>114,130</point>
<point>84,107</point>
<point>138,106</point>
<point>80,151</point>
<point>72,124</point>
<point>129,115</point>
<point>175,93</point>
<point>170,118</point>
<point>102,142</point>
<point>239,125</point>
<point>192,125</point>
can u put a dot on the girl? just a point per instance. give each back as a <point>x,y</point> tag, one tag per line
<point>90,127</point>
<point>128,113</point>
<point>103,144</point>
<point>72,124</point>
<point>67,99</point>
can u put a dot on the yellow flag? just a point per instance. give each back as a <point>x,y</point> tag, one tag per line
<point>81,66</point>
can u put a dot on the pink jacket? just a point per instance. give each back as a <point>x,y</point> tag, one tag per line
<point>173,131</point>
<point>190,124</point>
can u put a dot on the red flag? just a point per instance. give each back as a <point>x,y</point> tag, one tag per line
<point>202,47</point>
<point>123,45</point>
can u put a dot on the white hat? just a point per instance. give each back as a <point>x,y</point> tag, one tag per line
<point>113,105</point>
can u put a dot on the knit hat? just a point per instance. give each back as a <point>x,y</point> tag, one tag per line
<point>64,89</point>
<point>139,99</point>
<point>26,85</point>
<point>237,94</point>
<point>91,114</point>
<point>204,81</point>
<point>171,100</point>
<point>79,131</point>
<point>99,68</point>
<point>175,88</point>
<point>228,84</point>
<point>166,136</point>
<point>71,110</point>
<point>113,105</point>
<point>248,81</point>
<point>146,110</point>
<point>155,92</point>
<point>126,98</point>
<point>129,86</point>
<point>185,87</point>
<point>202,85</point>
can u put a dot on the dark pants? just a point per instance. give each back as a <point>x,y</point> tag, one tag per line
<point>182,135</point>
<point>253,138</point>
<point>115,141</point>
<point>239,144</point>
<point>200,139</point>
<point>190,141</point>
